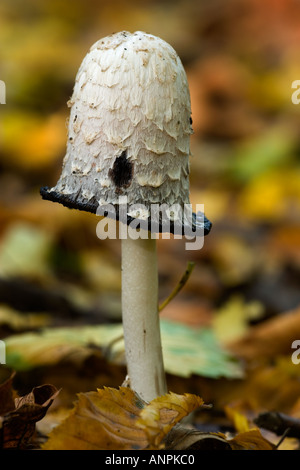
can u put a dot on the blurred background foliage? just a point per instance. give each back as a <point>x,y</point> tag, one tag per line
<point>241,57</point>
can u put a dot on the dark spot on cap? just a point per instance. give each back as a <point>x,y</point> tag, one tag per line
<point>191,121</point>
<point>122,172</point>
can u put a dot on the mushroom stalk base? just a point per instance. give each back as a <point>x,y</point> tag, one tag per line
<point>141,319</point>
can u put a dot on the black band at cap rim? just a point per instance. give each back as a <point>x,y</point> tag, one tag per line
<point>73,201</point>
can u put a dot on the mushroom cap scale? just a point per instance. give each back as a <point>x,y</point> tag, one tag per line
<point>129,127</point>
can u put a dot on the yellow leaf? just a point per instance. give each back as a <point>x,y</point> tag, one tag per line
<point>239,421</point>
<point>24,251</point>
<point>40,141</point>
<point>22,321</point>
<point>234,259</point>
<point>250,440</point>
<point>101,420</point>
<point>270,195</point>
<point>117,419</point>
<point>231,321</point>
<point>162,413</point>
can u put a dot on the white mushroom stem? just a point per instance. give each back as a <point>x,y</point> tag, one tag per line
<point>141,319</point>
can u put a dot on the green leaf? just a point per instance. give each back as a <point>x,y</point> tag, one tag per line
<point>24,251</point>
<point>271,149</point>
<point>190,351</point>
<point>186,350</point>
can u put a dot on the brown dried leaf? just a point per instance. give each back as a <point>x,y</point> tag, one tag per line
<point>117,419</point>
<point>162,413</point>
<point>102,420</point>
<point>41,395</point>
<point>181,438</point>
<point>270,338</point>
<point>18,421</point>
<point>6,395</point>
<point>251,440</point>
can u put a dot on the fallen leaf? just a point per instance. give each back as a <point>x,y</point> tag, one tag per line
<point>239,420</point>
<point>251,440</point>
<point>104,419</point>
<point>7,395</point>
<point>40,139</point>
<point>162,413</point>
<point>256,156</point>
<point>24,250</point>
<point>18,417</point>
<point>118,419</point>
<point>187,350</point>
<point>16,321</point>
<point>269,339</point>
<point>231,321</point>
<point>181,438</point>
<point>54,345</point>
<point>260,390</point>
<point>234,259</point>
<point>284,241</point>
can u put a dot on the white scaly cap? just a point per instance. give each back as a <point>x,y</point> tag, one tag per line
<point>129,127</point>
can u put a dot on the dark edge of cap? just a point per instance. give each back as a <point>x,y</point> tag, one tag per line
<point>73,202</point>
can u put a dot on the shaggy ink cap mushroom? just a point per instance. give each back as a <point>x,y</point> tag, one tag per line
<point>129,136</point>
<point>129,131</point>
